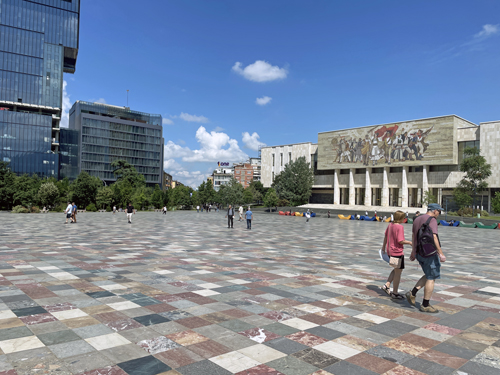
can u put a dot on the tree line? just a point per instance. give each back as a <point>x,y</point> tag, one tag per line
<point>292,187</point>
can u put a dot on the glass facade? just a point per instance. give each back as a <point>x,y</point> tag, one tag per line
<point>68,154</point>
<point>38,42</point>
<point>109,133</point>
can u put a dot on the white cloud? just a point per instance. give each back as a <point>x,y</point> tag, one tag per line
<point>66,106</point>
<point>218,129</point>
<point>171,164</point>
<point>260,71</point>
<point>487,31</point>
<point>167,121</point>
<point>101,100</point>
<point>212,148</point>
<point>189,178</point>
<point>192,118</point>
<point>252,141</point>
<point>172,150</point>
<point>263,101</point>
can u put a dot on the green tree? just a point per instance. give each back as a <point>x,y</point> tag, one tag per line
<point>248,196</point>
<point>157,197</point>
<point>180,196</point>
<point>271,198</point>
<point>63,187</point>
<point>461,198</point>
<point>195,198</point>
<point>104,197</point>
<point>7,186</point>
<point>428,198</point>
<point>295,182</point>
<point>48,194</point>
<point>258,190</point>
<point>495,203</point>
<point>232,193</point>
<point>477,171</point>
<point>83,190</point>
<point>26,190</point>
<point>141,197</point>
<point>206,192</point>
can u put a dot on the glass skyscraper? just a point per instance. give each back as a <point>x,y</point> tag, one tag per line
<point>108,133</point>
<point>38,42</point>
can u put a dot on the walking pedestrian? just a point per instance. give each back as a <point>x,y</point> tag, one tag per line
<point>73,212</point>
<point>114,210</point>
<point>164,210</point>
<point>130,212</point>
<point>429,255</point>
<point>249,216</point>
<point>308,215</point>
<point>68,211</point>
<point>198,209</point>
<point>394,240</point>
<point>230,216</point>
<point>240,210</point>
<point>328,214</point>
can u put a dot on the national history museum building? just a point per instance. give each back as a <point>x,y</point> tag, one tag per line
<point>394,164</point>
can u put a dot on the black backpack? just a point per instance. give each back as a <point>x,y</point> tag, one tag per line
<point>425,240</point>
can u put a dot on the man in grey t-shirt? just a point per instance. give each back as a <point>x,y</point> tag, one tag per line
<point>431,265</point>
<point>230,216</point>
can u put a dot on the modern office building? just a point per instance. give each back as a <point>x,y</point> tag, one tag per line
<point>395,164</point>
<point>108,133</point>
<point>274,159</point>
<point>68,154</point>
<point>38,42</point>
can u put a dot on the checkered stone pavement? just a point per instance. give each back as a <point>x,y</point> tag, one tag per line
<point>183,294</point>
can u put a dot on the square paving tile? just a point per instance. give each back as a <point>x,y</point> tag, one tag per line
<point>147,365</point>
<point>316,358</point>
<point>292,366</point>
<point>234,361</point>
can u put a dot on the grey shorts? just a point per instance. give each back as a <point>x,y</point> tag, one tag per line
<point>431,266</point>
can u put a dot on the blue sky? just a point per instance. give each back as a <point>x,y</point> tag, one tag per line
<point>226,75</point>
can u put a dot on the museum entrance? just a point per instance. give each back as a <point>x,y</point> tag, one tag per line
<point>376,197</point>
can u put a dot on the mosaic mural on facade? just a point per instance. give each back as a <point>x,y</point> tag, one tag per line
<point>430,141</point>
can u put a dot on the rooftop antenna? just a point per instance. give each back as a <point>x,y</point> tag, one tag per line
<point>127,98</point>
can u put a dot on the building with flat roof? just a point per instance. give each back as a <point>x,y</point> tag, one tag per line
<point>395,164</point>
<point>222,176</point>
<point>274,159</point>
<point>38,42</point>
<point>247,172</point>
<point>108,133</point>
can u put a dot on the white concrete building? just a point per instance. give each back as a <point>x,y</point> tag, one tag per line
<point>274,159</point>
<point>392,164</point>
<point>222,176</point>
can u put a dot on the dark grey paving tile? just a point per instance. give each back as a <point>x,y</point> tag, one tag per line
<point>454,350</point>
<point>474,368</point>
<point>14,333</point>
<point>29,311</point>
<point>205,367</point>
<point>390,354</point>
<point>147,320</point>
<point>392,328</point>
<point>346,368</point>
<point>326,333</point>
<point>285,345</point>
<point>236,325</point>
<point>280,329</point>
<point>316,358</point>
<point>144,366</point>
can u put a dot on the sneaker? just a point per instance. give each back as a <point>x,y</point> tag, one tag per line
<point>428,309</point>
<point>410,298</point>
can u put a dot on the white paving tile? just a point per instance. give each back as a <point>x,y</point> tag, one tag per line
<point>299,323</point>
<point>262,353</point>
<point>337,350</point>
<point>69,314</point>
<point>234,361</point>
<point>20,344</point>
<point>372,318</point>
<point>107,341</point>
<point>125,305</point>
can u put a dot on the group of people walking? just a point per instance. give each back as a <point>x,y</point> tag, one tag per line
<point>71,212</point>
<point>426,249</point>
<point>230,216</point>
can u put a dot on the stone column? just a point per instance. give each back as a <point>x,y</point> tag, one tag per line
<point>368,188</point>
<point>404,188</point>
<point>352,192</point>
<point>440,196</point>
<point>425,185</point>
<point>385,189</point>
<point>336,189</point>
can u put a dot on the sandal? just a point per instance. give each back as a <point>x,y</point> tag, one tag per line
<point>396,296</point>
<point>386,289</point>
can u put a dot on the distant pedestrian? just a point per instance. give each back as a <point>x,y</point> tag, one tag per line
<point>130,212</point>
<point>249,216</point>
<point>114,210</point>
<point>427,250</point>
<point>394,240</point>
<point>68,211</point>
<point>392,218</point>
<point>240,210</point>
<point>328,214</point>
<point>308,216</point>
<point>73,212</point>
<point>230,216</point>
<point>164,210</point>
<point>198,209</point>
<point>366,213</point>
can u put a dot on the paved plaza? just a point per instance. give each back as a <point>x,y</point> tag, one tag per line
<point>183,294</point>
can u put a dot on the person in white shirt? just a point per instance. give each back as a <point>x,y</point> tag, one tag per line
<point>164,210</point>
<point>240,210</point>
<point>68,212</point>
<point>197,208</point>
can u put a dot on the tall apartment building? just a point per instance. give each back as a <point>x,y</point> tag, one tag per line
<point>222,176</point>
<point>38,42</point>
<point>247,172</point>
<point>108,133</point>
